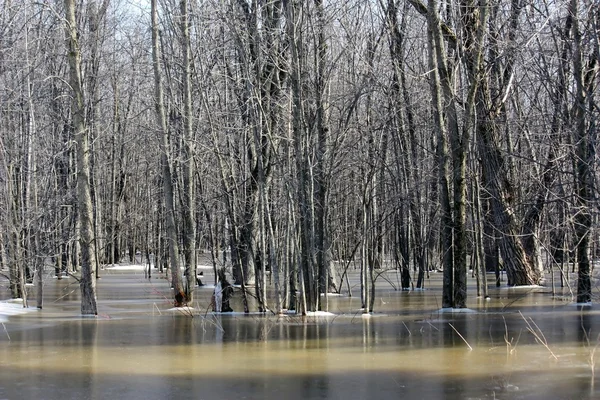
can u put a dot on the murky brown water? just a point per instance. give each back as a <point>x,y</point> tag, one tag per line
<point>139,349</point>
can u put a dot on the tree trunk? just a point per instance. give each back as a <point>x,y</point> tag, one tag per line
<point>585,139</point>
<point>442,155</point>
<point>176,283</point>
<point>84,200</point>
<point>305,202</point>
<point>497,170</point>
<point>189,233</point>
<point>519,270</point>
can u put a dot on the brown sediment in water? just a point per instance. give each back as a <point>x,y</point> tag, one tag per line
<point>138,348</point>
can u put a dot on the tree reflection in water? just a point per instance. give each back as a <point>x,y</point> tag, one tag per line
<point>407,350</point>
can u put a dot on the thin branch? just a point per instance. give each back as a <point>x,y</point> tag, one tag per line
<point>461,336</point>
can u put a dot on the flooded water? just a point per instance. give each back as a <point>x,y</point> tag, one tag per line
<point>521,344</point>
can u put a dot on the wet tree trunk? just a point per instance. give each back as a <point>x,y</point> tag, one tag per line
<point>171,231</point>
<point>497,171</point>
<point>406,226</point>
<point>519,270</point>
<point>473,22</point>
<point>321,159</point>
<point>436,51</point>
<point>84,200</point>
<point>95,17</point>
<point>478,250</point>
<point>189,225</point>
<point>585,138</point>
<point>305,202</point>
<point>15,259</point>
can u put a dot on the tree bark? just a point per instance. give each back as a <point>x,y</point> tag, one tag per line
<point>84,200</point>
<point>440,94</point>
<point>584,154</point>
<point>176,283</point>
<point>305,200</point>
<point>497,171</point>
<point>189,232</point>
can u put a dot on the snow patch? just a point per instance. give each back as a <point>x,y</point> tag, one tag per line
<point>456,311</point>
<point>319,314</point>
<point>373,315</point>
<point>13,307</point>
<point>524,287</point>
<point>218,297</point>
<point>142,267</point>
<point>184,309</point>
<point>588,304</point>
<point>331,295</point>
<point>127,267</point>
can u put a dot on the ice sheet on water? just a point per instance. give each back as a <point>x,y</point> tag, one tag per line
<point>142,267</point>
<point>12,307</point>
<point>319,314</point>
<point>457,311</point>
<point>127,267</point>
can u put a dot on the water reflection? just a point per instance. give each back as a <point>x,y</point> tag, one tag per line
<point>589,333</point>
<point>408,350</point>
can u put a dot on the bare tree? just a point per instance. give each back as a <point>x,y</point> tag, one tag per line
<point>84,200</point>
<point>585,71</point>
<point>176,282</point>
<point>189,225</point>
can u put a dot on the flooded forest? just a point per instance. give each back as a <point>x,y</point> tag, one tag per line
<point>306,199</point>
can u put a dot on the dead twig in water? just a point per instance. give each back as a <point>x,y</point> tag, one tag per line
<point>212,319</point>
<point>538,334</point>
<point>65,295</point>
<point>592,359</point>
<point>5,330</point>
<point>409,333</point>
<point>510,347</point>
<point>430,324</point>
<point>592,351</point>
<point>461,336</point>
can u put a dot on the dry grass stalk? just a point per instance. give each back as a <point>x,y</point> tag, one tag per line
<point>461,336</point>
<point>538,334</point>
